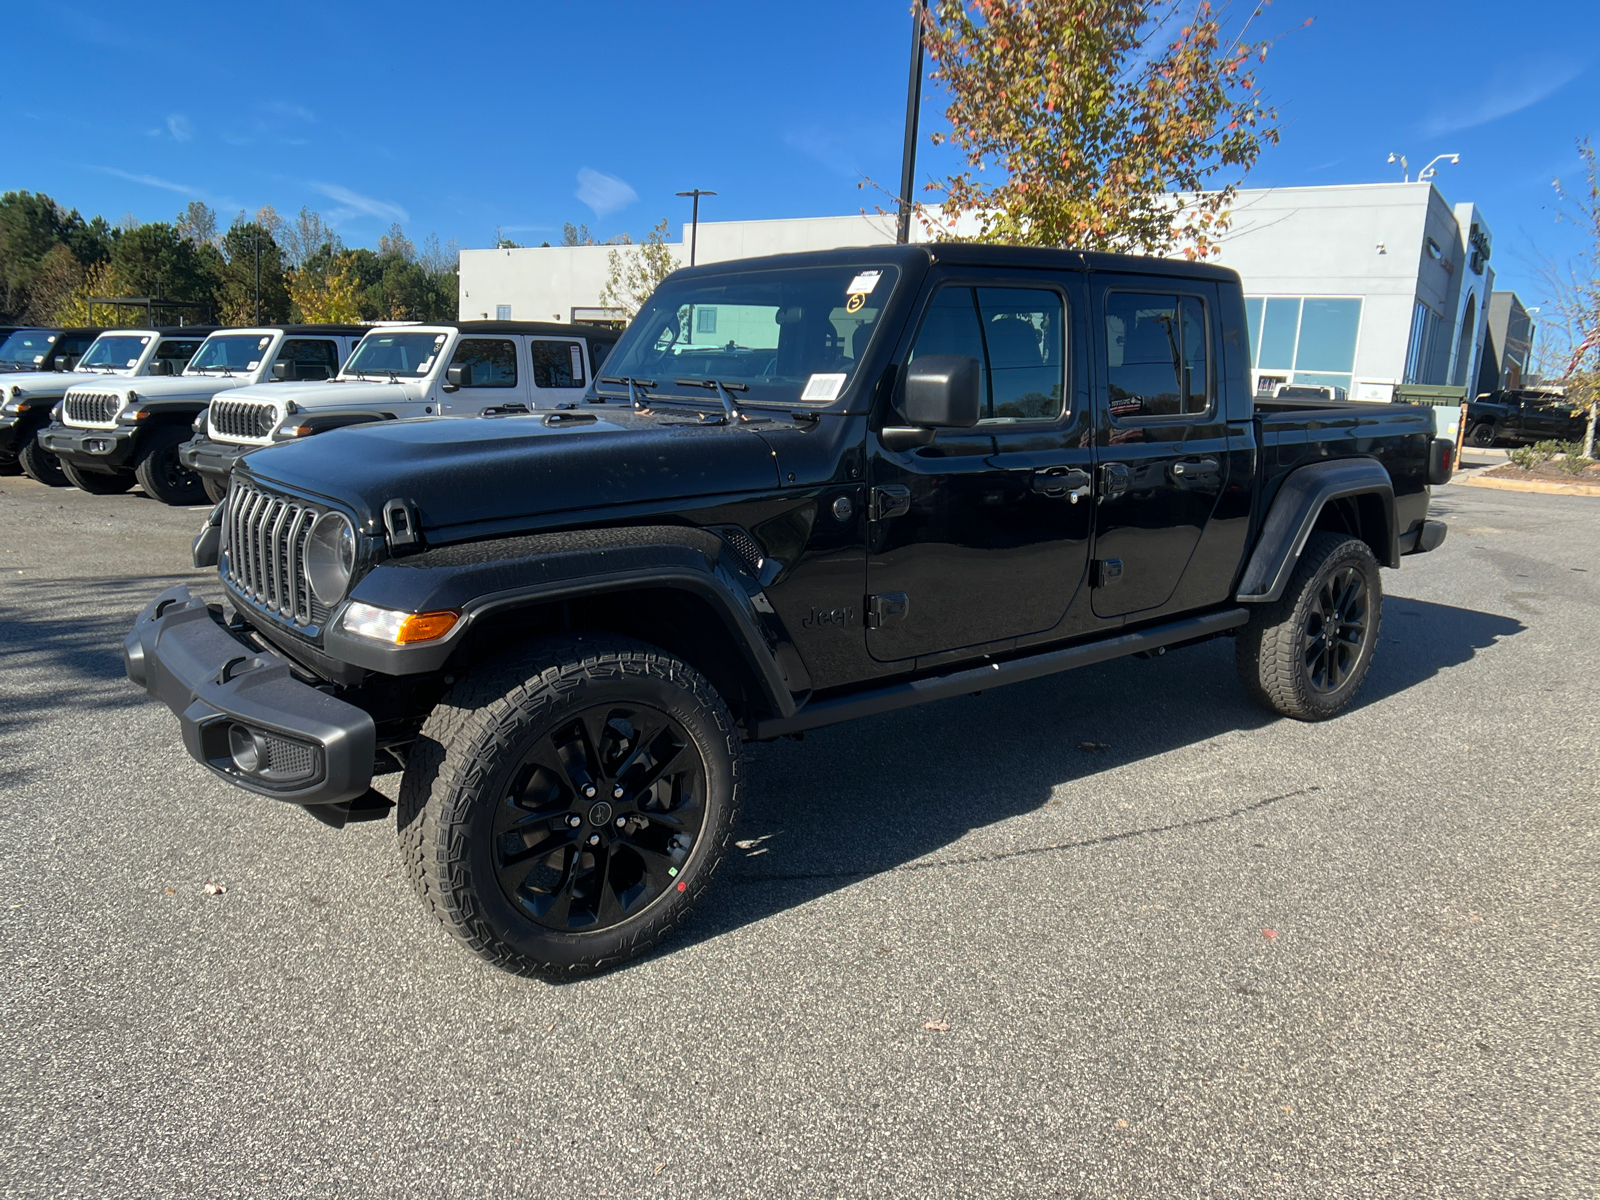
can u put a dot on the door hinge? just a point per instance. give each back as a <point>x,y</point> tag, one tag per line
<point>890,500</point>
<point>886,609</point>
<point>1106,571</point>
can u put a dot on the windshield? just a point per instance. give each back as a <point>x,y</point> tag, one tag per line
<point>398,353</point>
<point>27,347</point>
<point>788,336</point>
<point>115,352</point>
<point>231,352</point>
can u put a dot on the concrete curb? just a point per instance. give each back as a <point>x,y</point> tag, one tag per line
<point>1532,485</point>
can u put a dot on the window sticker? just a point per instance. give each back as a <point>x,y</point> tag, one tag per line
<point>252,364</point>
<point>262,344</point>
<point>823,387</point>
<point>577,361</point>
<point>133,362</point>
<point>422,367</point>
<point>144,341</point>
<point>863,283</point>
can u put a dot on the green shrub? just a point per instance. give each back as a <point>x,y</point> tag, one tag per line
<point>1525,457</point>
<point>1548,450</point>
<point>1575,463</point>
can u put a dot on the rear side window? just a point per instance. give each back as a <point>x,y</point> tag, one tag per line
<point>1017,336</point>
<point>598,352</point>
<point>177,351</point>
<point>557,364</point>
<point>313,358</point>
<point>493,361</point>
<point>1157,351</point>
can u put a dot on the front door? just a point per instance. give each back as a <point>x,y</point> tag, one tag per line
<point>496,382</point>
<point>983,536</point>
<point>1164,437</point>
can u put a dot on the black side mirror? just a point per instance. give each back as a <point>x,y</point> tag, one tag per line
<point>282,370</point>
<point>162,366</point>
<point>944,391</point>
<point>459,376</point>
<point>61,364</point>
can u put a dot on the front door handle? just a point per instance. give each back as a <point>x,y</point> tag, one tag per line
<point>1193,469</point>
<point>1061,481</point>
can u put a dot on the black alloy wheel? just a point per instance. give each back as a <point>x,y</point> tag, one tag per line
<point>1336,633</point>
<point>162,475</point>
<point>39,465</point>
<point>600,818</point>
<point>1482,435</point>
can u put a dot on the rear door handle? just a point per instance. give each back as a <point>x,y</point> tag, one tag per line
<point>1194,469</point>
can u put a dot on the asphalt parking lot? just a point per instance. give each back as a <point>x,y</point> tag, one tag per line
<point>957,955</point>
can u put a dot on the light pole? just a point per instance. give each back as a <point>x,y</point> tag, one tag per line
<point>1405,167</point>
<point>258,276</point>
<point>694,222</point>
<point>908,161</point>
<point>1428,172</point>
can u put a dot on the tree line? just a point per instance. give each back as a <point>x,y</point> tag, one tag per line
<point>52,261</point>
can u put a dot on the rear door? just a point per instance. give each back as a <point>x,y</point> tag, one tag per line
<point>559,370</point>
<point>1163,438</point>
<point>983,536</point>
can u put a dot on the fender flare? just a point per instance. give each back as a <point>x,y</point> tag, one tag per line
<point>480,579</point>
<point>338,420</point>
<point>1293,516</point>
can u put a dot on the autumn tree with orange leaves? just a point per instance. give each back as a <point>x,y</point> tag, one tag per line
<point>1096,124</point>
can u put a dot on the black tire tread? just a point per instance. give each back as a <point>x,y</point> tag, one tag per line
<point>39,465</point>
<point>148,469</point>
<point>492,705</point>
<point>96,483</point>
<point>1267,651</point>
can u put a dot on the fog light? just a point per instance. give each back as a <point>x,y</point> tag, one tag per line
<point>248,749</point>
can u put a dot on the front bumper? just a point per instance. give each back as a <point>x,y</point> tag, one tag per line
<point>16,429</point>
<point>93,449</point>
<point>210,457</point>
<point>243,715</point>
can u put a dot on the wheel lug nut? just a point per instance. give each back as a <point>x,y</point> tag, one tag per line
<point>594,839</point>
<point>621,821</point>
<point>574,821</point>
<point>616,792</point>
<point>589,791</point>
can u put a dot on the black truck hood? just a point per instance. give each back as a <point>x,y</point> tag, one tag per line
<point>461,471</point>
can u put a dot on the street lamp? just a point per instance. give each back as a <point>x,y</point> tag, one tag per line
<point>1428,171</point>
<point>694,222</point>
<point>1405,167</point>
<point>908,161</point>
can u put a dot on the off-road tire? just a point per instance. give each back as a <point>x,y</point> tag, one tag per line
<point>1482,435</point>
<point>39,465</point>
<point>160,473</point>
<point>96,483</point>
<point>1271,651</point>
<point>472,750</point>
<point>216,489</point>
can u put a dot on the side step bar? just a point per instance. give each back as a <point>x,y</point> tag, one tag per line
<point>831,711</point>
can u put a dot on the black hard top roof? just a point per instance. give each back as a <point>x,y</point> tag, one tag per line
<point>350,330</point>
<point>971,254</point>
<point>550,328</point>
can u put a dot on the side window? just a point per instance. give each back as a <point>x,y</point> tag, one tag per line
<point>1157,354</point>
<point>493,361</point>
<point>313,358</point>
<point>557,364</point>
<point>176,351</point>
<point>73,347</point>
<point>1023,330</point>
<point>597,354</point>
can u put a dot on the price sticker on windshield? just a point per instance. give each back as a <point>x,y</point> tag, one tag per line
<point>863,283</point>
<point>823,387</point>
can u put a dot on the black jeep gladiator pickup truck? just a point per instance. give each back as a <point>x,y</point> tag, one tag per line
<point>812,487</point>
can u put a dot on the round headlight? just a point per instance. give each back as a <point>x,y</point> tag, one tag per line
<point>331,557</point>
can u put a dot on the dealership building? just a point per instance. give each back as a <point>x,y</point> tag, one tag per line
<point>1359,287</point>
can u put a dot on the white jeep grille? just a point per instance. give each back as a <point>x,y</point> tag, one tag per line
<point>265,539</point>
<point>91,408</point>
<point>242,420</point>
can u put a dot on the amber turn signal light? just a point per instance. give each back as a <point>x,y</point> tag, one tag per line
<point>425,627</point>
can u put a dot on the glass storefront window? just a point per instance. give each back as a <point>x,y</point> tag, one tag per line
<point>1278,332</point>
<point>1310,339</point>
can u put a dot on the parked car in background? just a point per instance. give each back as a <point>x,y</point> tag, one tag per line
<point>1524,415</point>
<point>110,435</point>
<point>45,349</point>
<point>407,371</point>
<point>27,397</point>
<point>1308,391</point>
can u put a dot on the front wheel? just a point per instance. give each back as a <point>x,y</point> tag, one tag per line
<point>162,475</point>
<point>216,489</point>
<point>562,813</point>
<point>9,465</point>
<point>39,465</point>
<point>97,483</point>
<point>1482,435</point>
<point>1306,654</point>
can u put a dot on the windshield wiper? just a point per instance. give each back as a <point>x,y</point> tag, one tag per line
<point>730,410</point>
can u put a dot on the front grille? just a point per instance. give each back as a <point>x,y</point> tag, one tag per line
<point>242,418</point>
<point>91,408</point>
<point>266,552</point>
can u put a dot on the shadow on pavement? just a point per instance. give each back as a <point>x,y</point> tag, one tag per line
<point>887,793</point>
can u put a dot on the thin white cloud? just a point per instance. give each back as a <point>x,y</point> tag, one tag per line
<point>180,128</point>
<point>603,193</point>
<point>1514,88</point>
<point>356,203</point>
<point>167,185</point>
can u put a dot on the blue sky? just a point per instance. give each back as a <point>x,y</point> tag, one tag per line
<point>458,119</point>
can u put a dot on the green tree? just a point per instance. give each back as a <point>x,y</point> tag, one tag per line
<point>158,261</point>
<point>198,223</point>
<point>635,273</point>
<point>236,287</point>
<point>31,226</point>
<point>1081,128</point>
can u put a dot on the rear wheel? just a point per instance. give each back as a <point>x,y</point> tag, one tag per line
<point>162,475</point>
<point>96,483</point>
<point>563,813</point>
<point>1482,435</point>
<point>1306,655</point>
<point>39,465</point>
<point>216,489</point>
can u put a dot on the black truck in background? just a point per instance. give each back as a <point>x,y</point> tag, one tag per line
<point>808,488</point>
